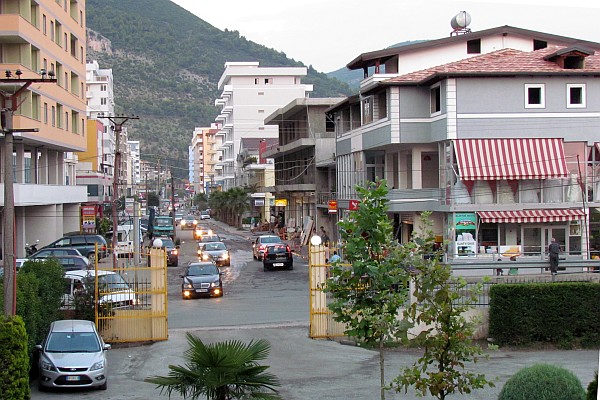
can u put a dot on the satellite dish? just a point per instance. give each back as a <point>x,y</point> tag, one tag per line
<point>460,22</point>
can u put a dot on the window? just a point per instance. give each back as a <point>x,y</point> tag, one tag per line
<point>435,99</point>
<point>103,88</point>
<point>75,122</point>
<point>52,30</point>
<point>66,121</point>
<point>367,110</point>
<point>268,81</point>
<point>539,44</point>
<point>256,81</point>
<point>44,24</point>
<point>534,96</point>
<point>92,190</point>
<point>575,96</point>
<point>45,113</point>
<point>59,113</point>
<point>474,46</point>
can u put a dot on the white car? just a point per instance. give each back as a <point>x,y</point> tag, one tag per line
<point>114,289</point>
<point>73,355</point>
<point>204,215</point>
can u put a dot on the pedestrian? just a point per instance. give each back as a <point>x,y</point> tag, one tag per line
<point>335,258</point>
<point>553,252</point>
<point>324,236</point>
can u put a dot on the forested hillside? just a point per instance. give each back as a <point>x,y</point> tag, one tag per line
<point>166,64</point>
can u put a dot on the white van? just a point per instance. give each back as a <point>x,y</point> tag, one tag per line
<point>124,246</point>
<point>114,289</point>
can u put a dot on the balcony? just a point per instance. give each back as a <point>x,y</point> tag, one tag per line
<point>414,199</point>
<point>38,195</point>
<point>373,80</point>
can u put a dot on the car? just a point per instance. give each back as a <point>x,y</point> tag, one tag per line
<point>86,244</point>
<point>278,255</point>
<point>115,292</point>
<point>260,245</point>
<point>189,222</point>
<point>172,251</point>
<point>71,262</point>
<point>204,215</point>
<point>201,279</point>
<point>216,251</point>
<point>163,226</point>
<point>202,230</point>
<point>209,239</point>
<point>58,251</point>
<point>178,217</point>
<point>73,355</point>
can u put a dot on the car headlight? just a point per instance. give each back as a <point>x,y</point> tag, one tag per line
<point>195,222</point>
<point>199,253</point>
<point>182,223</point>
<point>198,233</point>
<point>174,252</point>
<point>97,365</point>
<point>210,232</point>
<point>215,284</point>
<point>205,256</point>
<point>187,285</point>
<point>46,365</point>
<point>225,256</point>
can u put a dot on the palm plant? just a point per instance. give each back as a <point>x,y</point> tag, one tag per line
<point>221,371</point>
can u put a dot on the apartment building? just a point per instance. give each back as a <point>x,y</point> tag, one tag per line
<point>500,144</point>
<point>45,39</point>
<point>249,93</point>
<point>305,161</point>
<point>205,155</point>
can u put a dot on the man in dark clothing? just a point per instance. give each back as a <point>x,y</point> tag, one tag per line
<point>553,251</point>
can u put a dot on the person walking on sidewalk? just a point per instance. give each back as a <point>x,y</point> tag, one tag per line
<point>553,252</point>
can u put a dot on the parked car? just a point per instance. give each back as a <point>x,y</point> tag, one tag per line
<point>73,355</point>
<point>278,255</point>
<point>204,215</point>
<point>86,244</point>
<point>189,222</point>
<point>260,245</point>
<point>115,291</point>
<point>172,251</point>
<point>58,251</point>
<point>201,278</point>
<point>202,230</point>
<point>209,239</point>
<point>72,263</point>
<point>216,251</point>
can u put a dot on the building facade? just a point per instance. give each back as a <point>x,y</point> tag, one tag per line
<point>500,147</point>
<point>45,39</point>
<point>249,94</point>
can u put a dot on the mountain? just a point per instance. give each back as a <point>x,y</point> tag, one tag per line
<point>166,64</point>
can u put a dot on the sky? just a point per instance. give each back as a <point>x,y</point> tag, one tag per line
<point>328,34</point>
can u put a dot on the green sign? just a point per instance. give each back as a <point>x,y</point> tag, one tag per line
<point>465,221</point>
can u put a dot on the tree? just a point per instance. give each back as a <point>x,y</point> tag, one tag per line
<point>440,303</point>
<point>153,200</point>
<point>367,296</point>
<point>200,200</point>
<point>221,371</point>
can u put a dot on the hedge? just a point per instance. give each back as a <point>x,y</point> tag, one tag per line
<point>14,358</point>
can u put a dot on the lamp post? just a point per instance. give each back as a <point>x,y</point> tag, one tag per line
<point>117,125</point>
<point>10,103</point>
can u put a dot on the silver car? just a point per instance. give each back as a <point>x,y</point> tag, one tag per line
<point>73,355</point>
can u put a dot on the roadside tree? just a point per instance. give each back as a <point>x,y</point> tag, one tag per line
<point>368,295</point>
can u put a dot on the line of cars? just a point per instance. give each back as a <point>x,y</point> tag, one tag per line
<point>273,252</point>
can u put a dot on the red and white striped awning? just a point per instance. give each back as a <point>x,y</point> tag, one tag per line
<point>498,159</point>
<point>521,216</point>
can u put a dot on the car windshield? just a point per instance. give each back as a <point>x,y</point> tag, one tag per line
<point>73,342</point>
<point>113,282</point>
<point>163,222</point>
<point>189,218</point>
<point>195,270</point>
<point>168,243</point>
<point>207,239</point>
<point>270,239</point>
<point>215,246</point>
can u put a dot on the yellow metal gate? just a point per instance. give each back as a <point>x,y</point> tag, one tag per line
<point>322,324</point>
<point>131,297</point>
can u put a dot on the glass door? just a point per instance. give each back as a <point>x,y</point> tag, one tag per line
<point>558,233</point>
<point>532,241</point>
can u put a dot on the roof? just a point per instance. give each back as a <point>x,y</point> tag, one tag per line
<point>72,325</point>
<point>501,63</point>
<point>369,59</point>
<point>301,103</point>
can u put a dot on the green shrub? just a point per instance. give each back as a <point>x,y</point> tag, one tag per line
<point>592,389</point>
<point>14,359</point>
<point>543,382</point>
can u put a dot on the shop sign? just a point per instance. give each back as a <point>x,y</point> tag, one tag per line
<point>332,206</point>
<point>259,202</point>
<point>465,221</point>
<point>88,219</point>
<point>353,205</point>
<point>280,202</point>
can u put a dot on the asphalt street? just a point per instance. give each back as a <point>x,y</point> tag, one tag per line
<point>255,308</point>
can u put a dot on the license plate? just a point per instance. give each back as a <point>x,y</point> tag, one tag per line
<point>278,264</point>
<point>72,378</point>
<point>201,290</point>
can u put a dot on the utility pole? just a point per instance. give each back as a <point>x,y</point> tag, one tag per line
<point>173,203</point>
<point>10,104</point>
<point>117,125</point>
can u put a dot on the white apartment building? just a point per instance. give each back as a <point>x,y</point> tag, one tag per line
<point>249,94</point>
<point>134,168</point>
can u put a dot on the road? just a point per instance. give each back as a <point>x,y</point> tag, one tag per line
<point>274,306</point>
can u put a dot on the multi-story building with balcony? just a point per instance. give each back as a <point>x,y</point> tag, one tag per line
<point>134,170</point>
<point>205,156</point>
<point>500,144</point>
<point>43,39</point>
<point>304,161</point>
<point>249,94</point>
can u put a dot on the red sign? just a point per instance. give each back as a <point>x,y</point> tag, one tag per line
<point>332,206</point>
<point>353,205</point>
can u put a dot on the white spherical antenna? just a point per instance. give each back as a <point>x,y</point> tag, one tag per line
<point>157,243</point>
<point>460,21</point>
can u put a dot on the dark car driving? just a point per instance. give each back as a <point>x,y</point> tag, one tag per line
<point>278,255</point>
<point>171,250</point>
<point>201,279</point>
